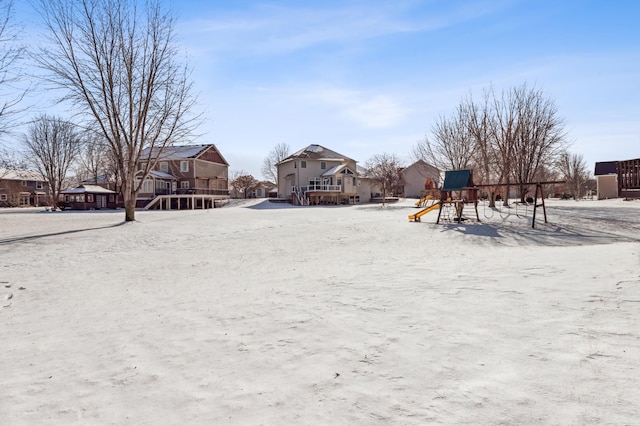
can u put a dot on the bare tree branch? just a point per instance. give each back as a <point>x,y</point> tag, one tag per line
<point>269,165</point>
<point>52,145</point>
<point>117,61</point>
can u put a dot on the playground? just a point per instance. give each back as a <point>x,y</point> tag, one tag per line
<point>458,190</point>
<point>267,313</point>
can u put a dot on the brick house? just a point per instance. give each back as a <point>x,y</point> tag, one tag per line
<point>185,177</point>
<point>23,188</point>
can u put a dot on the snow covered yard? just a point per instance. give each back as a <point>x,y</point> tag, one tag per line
<point>261,313</point>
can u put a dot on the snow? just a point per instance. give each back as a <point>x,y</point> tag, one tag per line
<point>264,313</point>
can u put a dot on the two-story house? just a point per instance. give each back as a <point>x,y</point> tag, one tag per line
<point>185,177</point>
<point>318,175</point>
<point>23,188</point>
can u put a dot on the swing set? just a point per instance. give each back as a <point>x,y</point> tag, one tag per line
<point>460,183</point>
<point>526,205</point>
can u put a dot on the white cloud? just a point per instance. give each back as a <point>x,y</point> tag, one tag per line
<point>269,29</point>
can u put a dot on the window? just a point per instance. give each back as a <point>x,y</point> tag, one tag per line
<point>164,167</point>
<point>323,165</point>
<point>112,198</point>
<point>24,183</point>
<point>80,198</point>
<point>142,166</point>
<point>3,197</point>
<point>184,184</point>
<point>39,185</point>
<point>303,164</point>
<point>89,198</point>
<point>184,166</point>
<point>339,181</point>
<point>147,186</point>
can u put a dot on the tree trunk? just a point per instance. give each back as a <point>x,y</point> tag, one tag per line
<point>129,201</point>
<point>129,211</point>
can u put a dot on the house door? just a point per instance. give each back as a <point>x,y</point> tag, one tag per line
<point>102,201</point>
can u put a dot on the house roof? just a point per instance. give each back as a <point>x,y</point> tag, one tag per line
<point>178,152</point>
<point>422,165</point>
<point>335,170</point>
<point>20,174</point>
<point>161,175</point>
<point>88,188</point>
<point>606,168</point>
<point>267,184</point>
<point>316,152</point>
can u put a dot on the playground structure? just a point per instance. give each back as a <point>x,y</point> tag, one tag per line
<point>458,189</point>
<point>424,202</point>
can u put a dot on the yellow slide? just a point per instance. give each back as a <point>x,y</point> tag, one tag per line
<point>416,217</point>
<point>420,202</point>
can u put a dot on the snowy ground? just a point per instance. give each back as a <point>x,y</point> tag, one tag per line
<point>261,313</point>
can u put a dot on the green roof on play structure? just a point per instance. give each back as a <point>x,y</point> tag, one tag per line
<point>457,180</point>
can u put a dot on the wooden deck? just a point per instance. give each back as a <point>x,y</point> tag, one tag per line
<point>186,202</point>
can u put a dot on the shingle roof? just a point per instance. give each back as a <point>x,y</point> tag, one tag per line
<point>161,175</point>
<point>18,174</point>
<point>317,152</point>
<point>176,152</point>
<point>88,188</point>
<point>606,168</point>
<point>335,170</point>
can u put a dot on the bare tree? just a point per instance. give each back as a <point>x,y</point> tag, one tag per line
<point>575,171</point>
<point>540,137</point>
<point>53,145</point>
<point>116,61</point>
<point>243,183</point>
<point>482,126</point>
<point>10,75</point>
<point>95,164</point>
<point>269,165</point>
<point>451,146</point>
<point>384,170</point>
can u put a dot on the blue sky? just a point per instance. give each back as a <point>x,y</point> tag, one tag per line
<point>367,77</point>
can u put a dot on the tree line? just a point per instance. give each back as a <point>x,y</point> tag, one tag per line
<point>117,67</point>
<point>514,137</point>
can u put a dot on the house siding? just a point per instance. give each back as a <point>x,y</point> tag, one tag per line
<point>415,176</point>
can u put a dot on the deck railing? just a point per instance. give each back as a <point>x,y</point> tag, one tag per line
<point>322,188</point>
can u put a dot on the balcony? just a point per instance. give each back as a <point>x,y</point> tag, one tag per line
<point>321,188</point>
<point>201,191</point>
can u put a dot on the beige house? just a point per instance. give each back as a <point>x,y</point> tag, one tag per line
<point>185,177</point>
<point>415,178</point>
<point>264,189</point>
<point>618,179</point>
<point>318,175</point>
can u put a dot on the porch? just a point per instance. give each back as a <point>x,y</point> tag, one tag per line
<point>187,200</point>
